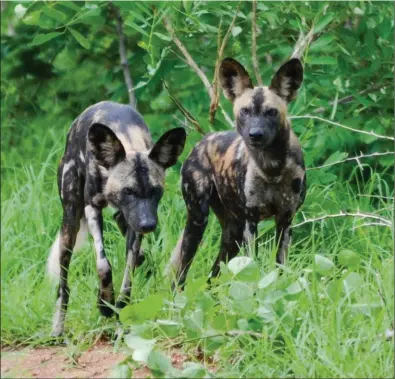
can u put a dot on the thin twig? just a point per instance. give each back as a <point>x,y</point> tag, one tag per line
<point>221,48</point>
<point>371,133</point>
<point>302,44</point>
<point>193,65</point>
<point>184,111</point>
<point>123,55</point>
<point>215,99</point>
<point>187,56</point>
<point>253,45</point>
<point>362,215</point>
<point>347,99</point>
<point>352,159</point>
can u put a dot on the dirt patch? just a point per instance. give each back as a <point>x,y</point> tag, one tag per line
<point>54,362</point>
<point>57,362</point>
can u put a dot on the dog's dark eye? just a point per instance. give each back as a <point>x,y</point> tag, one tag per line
<point>244,111</point>
<point>128,191</point>
<point>273,112</point>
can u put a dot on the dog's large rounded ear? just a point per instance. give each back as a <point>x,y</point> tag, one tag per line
<point>288,79</point>
<point>105,145</point>
<point>233,78</point>
<point>169,147</point>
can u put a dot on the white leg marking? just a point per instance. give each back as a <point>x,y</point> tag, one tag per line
<point>53,262</point>
<point>82,157</point>
<point>175,260</point>
<point>67,166</point>
<point>58,319</point>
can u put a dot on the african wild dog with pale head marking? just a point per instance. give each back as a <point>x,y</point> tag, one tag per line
<point>245,176</point>
<point>110,159</point>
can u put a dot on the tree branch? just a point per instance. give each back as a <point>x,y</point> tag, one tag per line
<point>220,53</point>
<point>123,55</point>
<point>253,45</point>
<point>383,221</point>
<point>371,133</point>
<point>184,111</point>
<point>187,56</point>
<point>347,99</point>
<point>193,65</point>
<point>302,44</point>
<point>352,159</point>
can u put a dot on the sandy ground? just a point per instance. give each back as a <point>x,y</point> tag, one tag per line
<point>53,362</point>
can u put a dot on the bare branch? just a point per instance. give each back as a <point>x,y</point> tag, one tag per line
<point>253,45</point>
<point>188,57</point>
<point>371,133</point>
<point>302,44</point>
<point>193,65</point>
<point>221,47</point>
<point>383,221</point>
<point>347,99</point>
<point>352,159</point>
<point>123,55</point>
<point>184,111</point>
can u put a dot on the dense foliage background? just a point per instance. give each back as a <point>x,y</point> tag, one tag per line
<point>60,57</point>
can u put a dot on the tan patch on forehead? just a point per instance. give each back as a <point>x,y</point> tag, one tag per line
<point>124,174</point>
<point>270,100</point>
<point>242,101</point>
<point>134,140</point>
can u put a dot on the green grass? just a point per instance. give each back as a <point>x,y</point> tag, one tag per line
<point>327,329</point>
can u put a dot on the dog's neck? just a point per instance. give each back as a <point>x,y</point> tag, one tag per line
<point>271,160</point>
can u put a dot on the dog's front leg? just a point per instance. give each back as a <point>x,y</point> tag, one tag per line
<point>94,218</point>
<point>133,244</point>
<point>283,237</point>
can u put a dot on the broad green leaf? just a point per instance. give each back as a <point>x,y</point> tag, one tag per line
<point>240,291</point>
<point>142,347</point>
<point>159,362</point>
<point>20,10</point>
<point>32,18</point>
<point>321,60</point>
<point>121,371</point>
<point>323,265</point>
<point>236,30</point>
<point>129,21</point>
<point>297,287</point>
<point>335,157</point>
<point>146,309</point>
<point>193,321</point>
<point>204,301</point>
<point>169,327</point>
<point>55,14</point>
<point>366,309</point>
<point>352,282</point>
<point>321,42</point>
<point>349,258</point>
<point>268,279</point>
<point>70,5</point>
<point>266,313</point>
<point>39,39</point>
<point>188,4</point>
<point>194,370</point>
<point>80,38</point>
<point>245,269</point>
<point>324,21</point>
<point>163,36</point>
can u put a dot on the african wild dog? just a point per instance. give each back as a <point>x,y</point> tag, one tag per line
<point>245,176</point>
<point>109,159</point>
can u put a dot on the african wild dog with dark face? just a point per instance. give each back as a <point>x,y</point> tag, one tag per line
<point>245,176</point>
<point>110,159</point>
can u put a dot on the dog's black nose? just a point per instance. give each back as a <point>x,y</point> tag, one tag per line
<point>147,226</point>
<point>255,134</point>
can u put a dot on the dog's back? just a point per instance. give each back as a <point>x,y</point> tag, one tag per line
<point>123,120</point>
